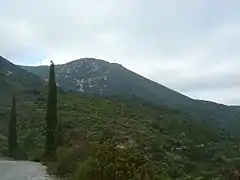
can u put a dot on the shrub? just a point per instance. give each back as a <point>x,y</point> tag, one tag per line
<point>111,162</point>
<point>68,158</point>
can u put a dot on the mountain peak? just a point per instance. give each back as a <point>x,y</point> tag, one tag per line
<point>88,60</point>
<point>91,62</point>
<point>87,65</point>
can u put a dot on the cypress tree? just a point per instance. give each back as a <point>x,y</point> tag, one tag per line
<point>51,114</point>
<point>12,131</point>
<point>59,138</point>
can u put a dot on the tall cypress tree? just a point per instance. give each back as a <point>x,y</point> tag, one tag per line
<point>12,131</point>
<point>51,114</point>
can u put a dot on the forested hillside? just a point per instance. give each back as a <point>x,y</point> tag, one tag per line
<point>118,130</point>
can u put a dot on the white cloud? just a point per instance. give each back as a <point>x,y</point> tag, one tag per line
<point>190,46</point>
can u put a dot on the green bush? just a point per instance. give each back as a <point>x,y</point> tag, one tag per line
<point>111,162</point>
<point>84,170</point>
<point>68,158</point>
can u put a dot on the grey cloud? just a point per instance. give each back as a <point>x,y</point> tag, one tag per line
<point>228,96</point>
<point>190,46</point>
<point>210,83</point>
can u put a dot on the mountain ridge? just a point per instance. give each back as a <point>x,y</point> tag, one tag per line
<point>99,77</point>
<point>32,69</point>
<point>44,68</point>
<point>99,61</point>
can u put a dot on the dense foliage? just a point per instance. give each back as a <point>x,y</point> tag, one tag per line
<point>101,135</point>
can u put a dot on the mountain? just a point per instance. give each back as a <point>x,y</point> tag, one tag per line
<point>177,143</point>
<point>100,77</point>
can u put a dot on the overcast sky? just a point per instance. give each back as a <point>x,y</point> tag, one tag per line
<point>191,46</point>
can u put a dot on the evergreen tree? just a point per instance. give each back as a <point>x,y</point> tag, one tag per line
<point>12,131</point>
<point>51,115</point>
<point>59,138</point>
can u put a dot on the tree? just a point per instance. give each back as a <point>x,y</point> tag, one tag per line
<point>58,135</point>
<point>12,131</point>
<point>52,125</point>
